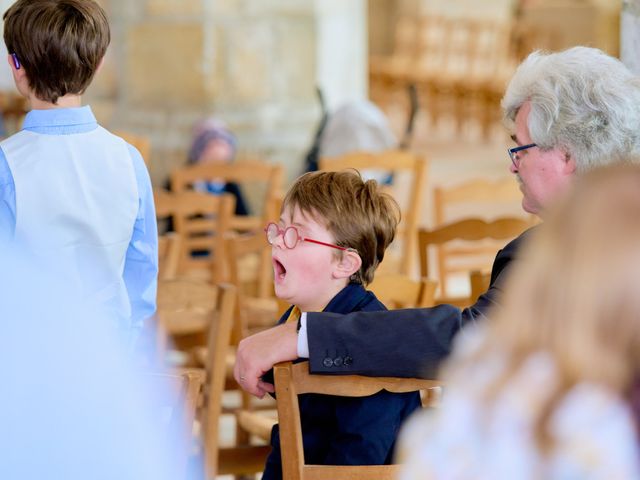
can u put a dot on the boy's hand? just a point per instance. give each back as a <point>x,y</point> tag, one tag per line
<point>258,353</point>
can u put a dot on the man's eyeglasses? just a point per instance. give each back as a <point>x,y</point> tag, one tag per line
<point>513,153</point>
<point>291,237</point>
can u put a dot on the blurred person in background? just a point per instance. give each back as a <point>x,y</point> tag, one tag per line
<point>356,126</point>
<point>548,386</point>
<point>213,143</point>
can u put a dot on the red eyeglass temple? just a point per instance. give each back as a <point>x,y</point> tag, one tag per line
<point>304,239</point>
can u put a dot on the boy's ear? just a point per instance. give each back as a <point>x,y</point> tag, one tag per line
<point>349,264</point>
<point>16,68</point>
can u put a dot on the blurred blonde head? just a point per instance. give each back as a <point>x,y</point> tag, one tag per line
<point>575,295</point>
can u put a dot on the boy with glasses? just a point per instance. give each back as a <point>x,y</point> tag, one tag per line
<point>331,237</point>
<point>71,193</point>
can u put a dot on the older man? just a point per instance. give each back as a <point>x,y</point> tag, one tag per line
<point>569,112</point>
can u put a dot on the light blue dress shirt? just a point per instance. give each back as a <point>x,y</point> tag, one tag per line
<point>141,261</point>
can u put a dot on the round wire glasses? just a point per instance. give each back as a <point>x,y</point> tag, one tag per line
<point>291,237</point>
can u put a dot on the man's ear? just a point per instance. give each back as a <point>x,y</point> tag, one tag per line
<point>569,164</point>
<point>349,264</point>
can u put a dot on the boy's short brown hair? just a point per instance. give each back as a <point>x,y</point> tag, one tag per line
<point>59,43</point>
<point>356,212</point>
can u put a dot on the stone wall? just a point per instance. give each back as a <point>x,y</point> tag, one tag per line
<point>252,63</point>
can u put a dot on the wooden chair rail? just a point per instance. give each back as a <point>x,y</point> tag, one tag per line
<point>294,379</point>
<point>350,385</point>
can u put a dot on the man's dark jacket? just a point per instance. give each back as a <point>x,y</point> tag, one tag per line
<point>399,343</point>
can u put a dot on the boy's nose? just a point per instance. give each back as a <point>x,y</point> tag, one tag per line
<point>278,242</point>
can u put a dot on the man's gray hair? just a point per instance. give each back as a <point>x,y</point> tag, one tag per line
<point>582,100</point>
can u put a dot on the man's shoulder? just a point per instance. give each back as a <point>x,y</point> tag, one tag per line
<point>516,244</point>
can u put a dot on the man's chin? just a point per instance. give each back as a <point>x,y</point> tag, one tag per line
<point>529,208</point>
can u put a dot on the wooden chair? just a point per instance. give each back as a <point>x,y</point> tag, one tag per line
<point>401,291</point>
<point>210,309</point>
<point>387,74</point>
<point>405,166</point>
<point>140,142</point>
<point>471,199</point>
<point>293,380</point>
<point>201,220</point>
<point>256,309</point>
<point>258,175</point>
<point>469,230</point>
<point>185,309</point>
<point>244,459</point>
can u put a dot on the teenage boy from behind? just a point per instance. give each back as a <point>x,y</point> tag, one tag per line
<point>332,234</point>
<point>73,194</point>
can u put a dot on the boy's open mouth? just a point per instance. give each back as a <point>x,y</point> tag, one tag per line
<point>278,269</point>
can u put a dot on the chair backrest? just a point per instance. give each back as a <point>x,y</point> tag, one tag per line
<point>254,174</point>
<point>201,220</point>
<point>141,142</point>
<point>396,290</point>
<point>249,267</point>
<point>218,346</point>
<point>471,199</point>
<point>409,172</point>
<point>468,230</point>
<point>169,252</point>
<point>293,380</point>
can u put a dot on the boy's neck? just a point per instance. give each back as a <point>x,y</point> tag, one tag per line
<point>322,301</point>
<point>67,101</point>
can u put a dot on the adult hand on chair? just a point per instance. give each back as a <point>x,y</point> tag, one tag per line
<point>258,353</point>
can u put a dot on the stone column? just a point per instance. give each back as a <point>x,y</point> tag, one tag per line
<point>252,63</point>
<point>630,35</point>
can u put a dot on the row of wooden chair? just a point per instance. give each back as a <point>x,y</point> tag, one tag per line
<point>459,65</point>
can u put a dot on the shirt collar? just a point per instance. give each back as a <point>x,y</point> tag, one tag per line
<point>59,117</point>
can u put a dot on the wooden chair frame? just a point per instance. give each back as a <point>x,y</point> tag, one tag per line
<point>293,380</point>
<point>201,220</point>
<point>472,229</point>
<point>271,175</point>
<point>470,197</point>
<point>169,254</point>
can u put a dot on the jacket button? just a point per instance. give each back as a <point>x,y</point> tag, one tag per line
<point>337,362</point>
<point>327,362</point>
<point>347,361</point>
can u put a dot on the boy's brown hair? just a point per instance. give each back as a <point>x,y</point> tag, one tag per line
<point>59,43</point>
<point>356,212</point>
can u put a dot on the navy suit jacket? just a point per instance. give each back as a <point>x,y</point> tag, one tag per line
<point>346,430</point>
<point>400,343</point>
